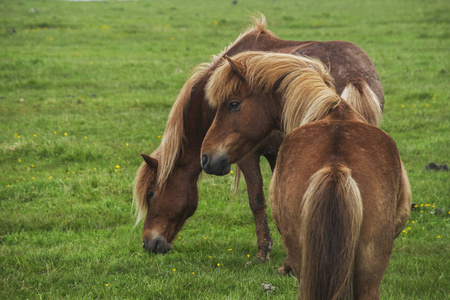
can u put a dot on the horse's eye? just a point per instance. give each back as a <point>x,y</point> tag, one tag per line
<point>234,106</point>
<point>150,195</point>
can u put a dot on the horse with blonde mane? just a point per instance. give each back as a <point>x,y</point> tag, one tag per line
<point>165,192</point>
<point>339,192</point>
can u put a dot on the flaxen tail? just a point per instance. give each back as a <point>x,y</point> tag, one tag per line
<point>362,98</point>
<point>331,220</point>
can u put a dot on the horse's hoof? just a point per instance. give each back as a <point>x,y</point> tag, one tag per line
<point>262,258</point>
<point>284,270</point>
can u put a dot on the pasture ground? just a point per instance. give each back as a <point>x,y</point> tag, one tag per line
<point>87,86</point>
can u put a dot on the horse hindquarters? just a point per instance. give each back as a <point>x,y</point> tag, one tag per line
<point>331,217</point>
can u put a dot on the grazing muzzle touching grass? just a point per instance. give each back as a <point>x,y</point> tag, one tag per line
<point>164,208</point>
<point>157,245</point>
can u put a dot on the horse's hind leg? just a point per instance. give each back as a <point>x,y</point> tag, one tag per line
<point>370,265</point>
<point>253,177</point>
<point>404,204</point>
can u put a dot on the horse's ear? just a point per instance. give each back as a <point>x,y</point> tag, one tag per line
<point>237,67</point>
<point>153,163</point>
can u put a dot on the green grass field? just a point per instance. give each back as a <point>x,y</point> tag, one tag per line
<point>87,86</point>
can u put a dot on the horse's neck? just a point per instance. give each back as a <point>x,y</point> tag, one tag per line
<point>198,118</point>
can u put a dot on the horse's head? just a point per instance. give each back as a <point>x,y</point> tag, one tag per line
<point>241,123</point>
<point>165,207</point>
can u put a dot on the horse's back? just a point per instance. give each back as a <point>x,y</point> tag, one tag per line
<point>348,63</point>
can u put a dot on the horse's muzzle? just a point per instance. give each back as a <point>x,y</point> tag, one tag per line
<point>157,245</point>
<point>216,165</point>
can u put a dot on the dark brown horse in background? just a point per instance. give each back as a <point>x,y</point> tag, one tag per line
<point>165,192</point>
<point>339,194</point>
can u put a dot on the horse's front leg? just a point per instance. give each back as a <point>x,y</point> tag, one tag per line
<point>253,177</point>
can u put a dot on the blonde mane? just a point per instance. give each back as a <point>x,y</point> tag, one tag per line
<point>304,83</point>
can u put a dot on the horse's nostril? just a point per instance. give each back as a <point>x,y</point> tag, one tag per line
<point>204,160</point>
<point>144,244</point>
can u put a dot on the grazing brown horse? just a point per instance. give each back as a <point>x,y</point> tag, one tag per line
<point>165,192</point>
<point>339,194</point>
